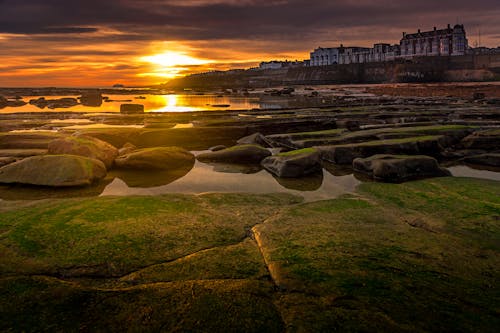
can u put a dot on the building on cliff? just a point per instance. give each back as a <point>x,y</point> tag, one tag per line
<point>443,42</point>
<point>276,64</point>
<point>325,56</point>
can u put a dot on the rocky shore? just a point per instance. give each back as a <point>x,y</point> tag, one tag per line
<point>411,249</point>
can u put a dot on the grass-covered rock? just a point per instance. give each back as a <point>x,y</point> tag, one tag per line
<point>418,256</point>
<point>420,145</point>
<point>296,163</point>
<point>84,146</point>
<point>28,140</point>
<point>399,168</point>
<point>115,236</point>
<point>240,154</point>
<point>160,158</point>
<point>492,159</point>
<point>414,257</point>
<point>53,170</point>
<point>487,140</point>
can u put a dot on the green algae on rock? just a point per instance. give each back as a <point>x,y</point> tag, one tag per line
<point>53,170</point>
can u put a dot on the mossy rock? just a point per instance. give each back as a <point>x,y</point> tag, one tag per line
<point>296,163</point>
<point>389,258</point>
<point>488,140</point>
<point>484,159</point>
<point>399,168</point>
<point>84,146</point>
<point>28,140</point>
<point>160,158</point>
<point>421,145</point>
<point>53,170</point>
<point>241,154</point>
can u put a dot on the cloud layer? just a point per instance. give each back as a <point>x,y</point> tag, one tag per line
<point>75,42</point>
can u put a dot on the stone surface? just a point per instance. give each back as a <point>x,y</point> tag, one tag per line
<point>53,170</point>
<point>399,168</point>
<point>27,140</point>
<point>484,159</point>
<point>164,158</point>
<point>131,108</point>
<point>3,102</point>
<point>7,160</point>
<point>217,148</point>
<point>255,139</point>
<point>237,154</point>
<point>487,140</point>
<point>126,149</point>
<point>292,164</point>
<point>345,154</point>
<point>85,146</point>
<point>91,99</point>
<point>21,153</point>
<point>64,102</point>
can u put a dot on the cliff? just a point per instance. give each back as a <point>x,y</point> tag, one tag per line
<point>420,69</point>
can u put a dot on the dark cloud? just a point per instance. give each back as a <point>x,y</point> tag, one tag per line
<point>231,19</point>
<point>232,33</point>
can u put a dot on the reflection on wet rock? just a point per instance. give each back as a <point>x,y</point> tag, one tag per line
<point>307,183</point>
<point>236,168</point>
<point>336,169</point>
<point>152,178</point>
<point>31,192</point>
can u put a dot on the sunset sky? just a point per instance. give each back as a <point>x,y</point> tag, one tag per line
<point>81,43</point>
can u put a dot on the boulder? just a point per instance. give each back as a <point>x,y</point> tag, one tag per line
<point>255,139</point>
<point>7,160</point>
<point>240,154</point>
<point>217,148</point>
<point>164,158</point>
<point>126,149</point>
<point>399,168</point>
<point>21,153</point>
<point>16,103</point>
<point>93,99</point>
<point>293,164</point>
<point>40,102</point>
<point>345,154</point>
<point>3,102</point>
<point>28,140</point>
<point>54,170</point>
<point>84,146</point>
<point>484,159</point>
<point>62,103</point>
<point>478,95</point>
<point>486,140</point>
<point>131,108</point>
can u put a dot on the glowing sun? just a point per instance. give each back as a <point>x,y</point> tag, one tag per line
<point>169,64</point>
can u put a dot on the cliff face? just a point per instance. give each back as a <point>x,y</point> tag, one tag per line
<point>423,69</point>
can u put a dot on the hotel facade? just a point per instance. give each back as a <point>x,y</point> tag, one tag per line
<point>443,42</point>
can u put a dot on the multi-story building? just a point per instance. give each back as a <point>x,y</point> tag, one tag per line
<point>324,56</point>
<point>442,42</point>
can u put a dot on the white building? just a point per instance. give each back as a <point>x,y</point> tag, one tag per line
<point>324,56</point>
<point>276,64</point>
<point>444,42</point>
<point>271,65</point>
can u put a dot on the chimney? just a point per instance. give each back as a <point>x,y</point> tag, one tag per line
<point>418,30</point>
<point>404,34</point>
<point>435,29</point>
<point>449,27</point>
